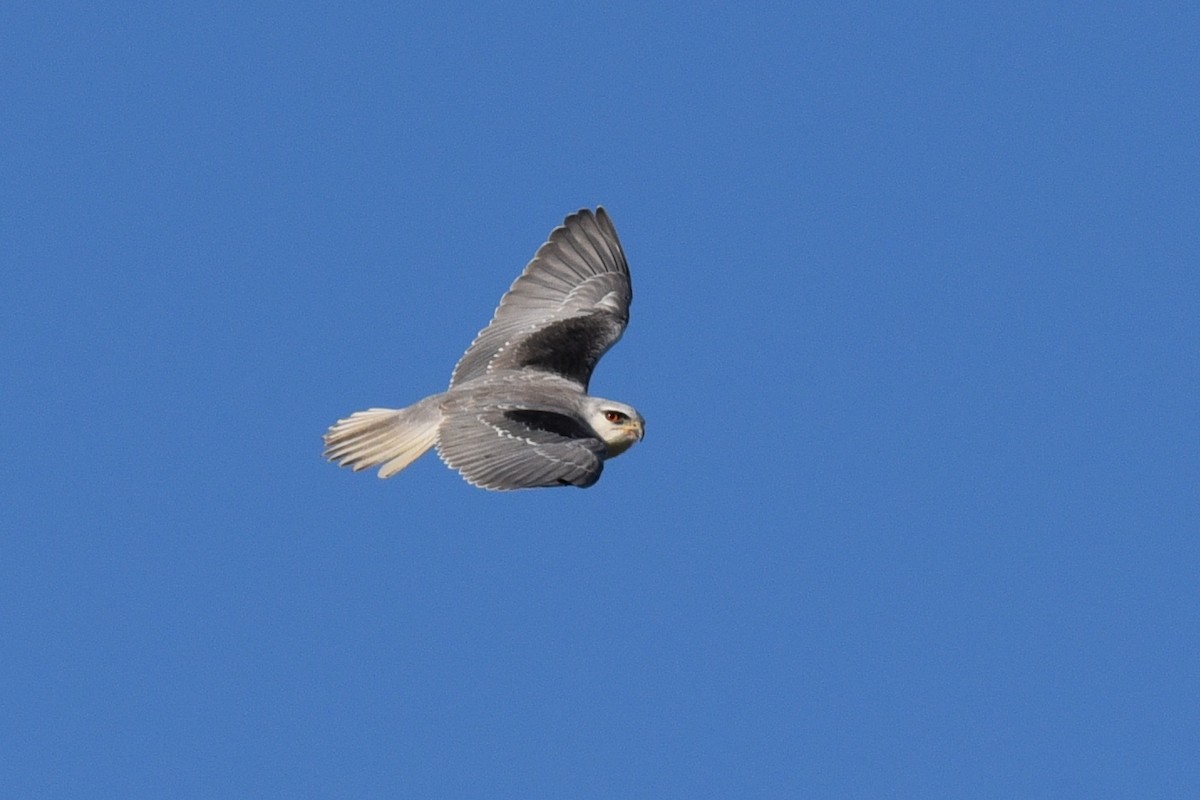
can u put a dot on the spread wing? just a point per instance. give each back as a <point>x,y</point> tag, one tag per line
<point>498,449</point>
<point>565,310</point>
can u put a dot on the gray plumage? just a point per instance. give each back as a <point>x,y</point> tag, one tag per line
<point>517,414</point>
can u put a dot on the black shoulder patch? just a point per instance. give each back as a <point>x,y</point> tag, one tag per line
<point>570,347</point>
<point>549,421</point>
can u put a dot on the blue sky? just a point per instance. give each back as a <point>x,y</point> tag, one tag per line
<point>914,333</point>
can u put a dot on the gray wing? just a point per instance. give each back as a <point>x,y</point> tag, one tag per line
<point>568,307</point>
<point>515,449</point>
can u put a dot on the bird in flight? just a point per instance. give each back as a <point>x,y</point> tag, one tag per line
<point>517,414</point>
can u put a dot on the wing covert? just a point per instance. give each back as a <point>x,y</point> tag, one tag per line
<point>497,449</point>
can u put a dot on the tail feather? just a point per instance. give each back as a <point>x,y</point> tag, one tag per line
<point>388,438</point>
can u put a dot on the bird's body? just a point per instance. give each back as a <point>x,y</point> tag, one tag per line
<point>517,414</point>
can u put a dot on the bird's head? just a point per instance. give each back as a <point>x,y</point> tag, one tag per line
<point>619,425</point>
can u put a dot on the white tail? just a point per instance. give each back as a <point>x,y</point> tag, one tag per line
<point>386,437</point>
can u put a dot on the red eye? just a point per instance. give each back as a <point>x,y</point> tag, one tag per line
<point>614,416</point>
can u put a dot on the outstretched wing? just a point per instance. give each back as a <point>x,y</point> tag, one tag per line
<point>565,310</point>
<point>497,449</point>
